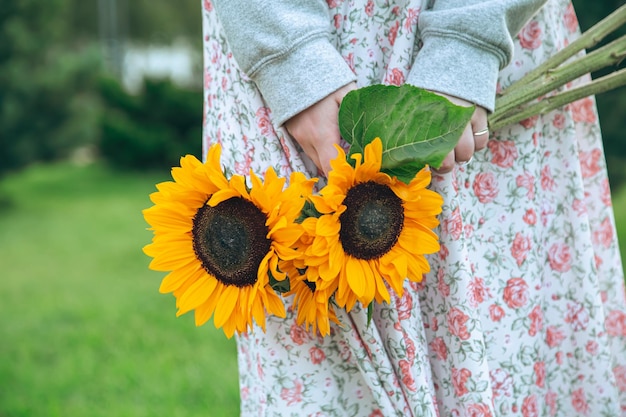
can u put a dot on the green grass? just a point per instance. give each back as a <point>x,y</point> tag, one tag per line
<point>83,329</point>
<point>619,208</point>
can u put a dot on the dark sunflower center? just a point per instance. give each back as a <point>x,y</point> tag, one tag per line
<point>230,240</point>
<point>372,222</point>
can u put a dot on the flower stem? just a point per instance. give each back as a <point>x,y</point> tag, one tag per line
<point>611,54</point>
<point>600,85</point>
<point>551,75</point>
<point>586,41</point>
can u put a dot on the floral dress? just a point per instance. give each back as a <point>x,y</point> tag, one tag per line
<point>523,312</point>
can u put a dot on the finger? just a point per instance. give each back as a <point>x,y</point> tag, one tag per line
<point>480,129</point>
<point>326,154</point>
<point>447,165</point>
<point>464,150</point>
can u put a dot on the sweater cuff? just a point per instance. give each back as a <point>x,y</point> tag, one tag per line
<point>451,66</point>
<point>288,92</point>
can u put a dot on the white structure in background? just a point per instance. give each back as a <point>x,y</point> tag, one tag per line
<point>178,62</point>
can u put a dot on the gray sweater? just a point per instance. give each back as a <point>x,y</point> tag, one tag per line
<point>284,47</point>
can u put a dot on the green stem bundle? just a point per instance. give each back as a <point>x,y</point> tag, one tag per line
<point>514,104</point>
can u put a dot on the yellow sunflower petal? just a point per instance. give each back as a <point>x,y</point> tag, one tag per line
<point>356,276</point>
<point>198,293</point>
<point>226,304</point>
<point>177,277</point>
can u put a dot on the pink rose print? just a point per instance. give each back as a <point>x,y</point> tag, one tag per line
<point>589,162</point>
<point>529,407</point>
<point>540,373</point>
<point>520,248</point>
<point>478,410</point>
<point>395,77</point>
<point>453,225</point>
<point>579,207</point>
<point>376,413</point>
<point>350,61</point>
<point>410,348</point>
<point>208,6</point>
<point>407,377</point>
<point>292,395</point>
<point>317,355</point>
<point>578,316</point>
<point>558,121</point>
<point>404,306</point>
<point>559,357</point>
<point>592,347</point>
<point>515,293</point>
<point>551,402</point>
<point>547,180</point>
<point>536,320</point>
<point>477,292</point>
<point>554,336</point>
<point>459,379</point>
<point>583,110</point>
<point>530,36</point>
<point>503,152</point>
<point>496,313</point>
<point>559,257</point>
<point>457,323</point>
<point>393,33</point>
<point>439,347</point>
<point>603,235</point>
<point>369,8</point>
<point>620,377</point>
<point>411,19</point>
<point>527,181</point>
<point>501,382</point>
<point>443,251</point>
<point>486,187</point>
<point>263,121</point>
<point>332,3</point>
<point>337,20</point>
<point>571,22</point>
<point>579,401</point>
<point>615,323</point>
<point>442,286</point>
<point>530,122</point>
<point>298,334</point>
<point>530,217</point>
<point>606,193</point>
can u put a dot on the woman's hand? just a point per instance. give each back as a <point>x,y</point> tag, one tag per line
<point>316,128</point>
<point>474,137</point>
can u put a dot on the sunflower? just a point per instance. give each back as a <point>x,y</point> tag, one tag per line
<point>312,300</point>
<point>373,231</point>
<point>221,240</point>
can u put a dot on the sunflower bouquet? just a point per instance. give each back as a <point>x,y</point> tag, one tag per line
<point>234,246</point>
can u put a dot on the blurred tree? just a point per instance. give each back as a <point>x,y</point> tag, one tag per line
<point>611,105</point>
<point>44,84</point>
<point>50,64</point>
<point>152,129</point>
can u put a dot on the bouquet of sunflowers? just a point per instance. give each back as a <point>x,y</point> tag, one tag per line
<point>235,245</point>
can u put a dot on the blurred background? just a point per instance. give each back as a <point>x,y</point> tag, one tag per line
<point>98,99</point>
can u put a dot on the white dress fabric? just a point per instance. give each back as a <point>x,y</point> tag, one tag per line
<point>523,313</point>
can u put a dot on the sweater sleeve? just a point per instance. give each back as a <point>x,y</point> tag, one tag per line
<point>285,50</point>
<point>466,43</point>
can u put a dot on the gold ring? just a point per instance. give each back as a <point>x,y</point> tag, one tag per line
<point>481,132</point>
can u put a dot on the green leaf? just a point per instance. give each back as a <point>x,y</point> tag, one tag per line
<point>416,127</point>
<point>280,287</point>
